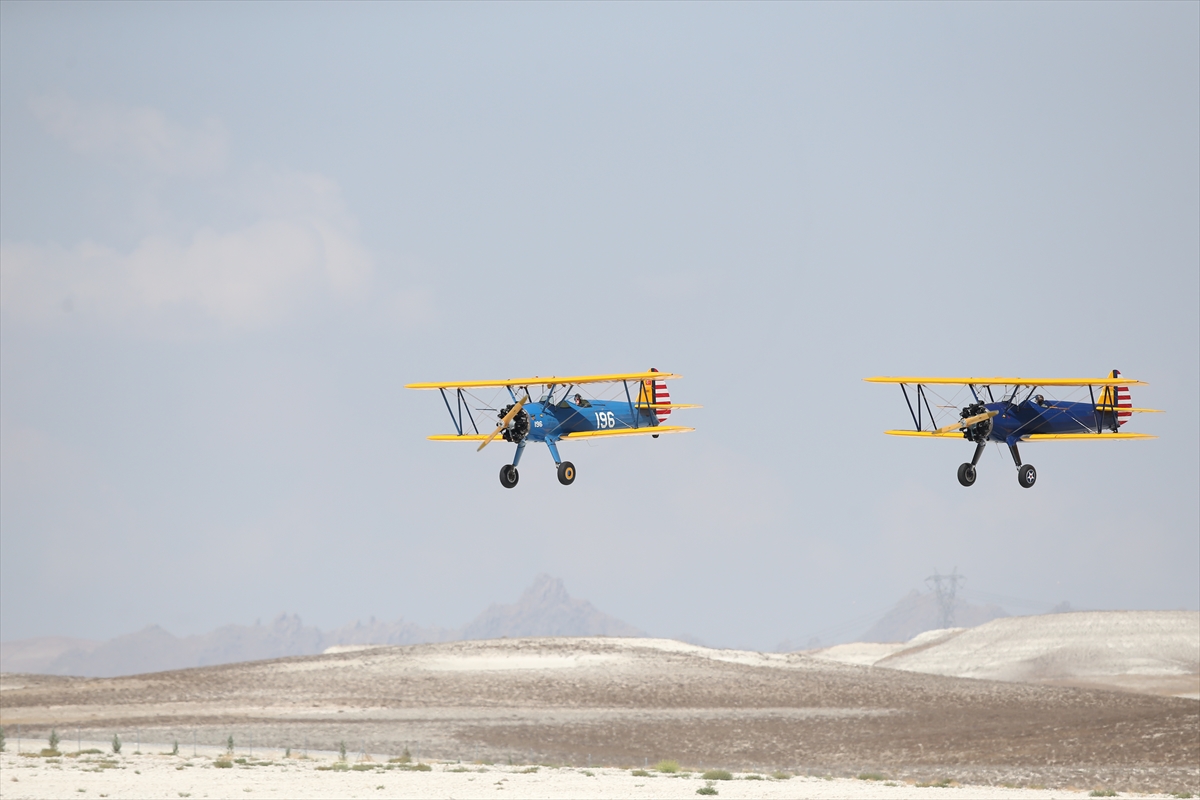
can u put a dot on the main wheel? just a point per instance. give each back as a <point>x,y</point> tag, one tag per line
<point>966,474</point>
<point>566,473</point>
<point>1026,475</point>
<point>509,476</point>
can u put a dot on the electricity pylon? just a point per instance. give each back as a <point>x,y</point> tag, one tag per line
<point>945,587</point>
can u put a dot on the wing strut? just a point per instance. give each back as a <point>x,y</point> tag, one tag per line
<point>915,420</point>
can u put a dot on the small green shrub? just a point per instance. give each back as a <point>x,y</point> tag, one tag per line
<point>781,776</point>
<point>362,767</point>
<point>342,751</point>
<point>641,773</point>
<point>53,740</point>
<point>717,775</point>
<point>241,761</point>
<point>753,777</point>
<point>223,763</point>
<point>175,748</point>
<point>229,744</point>
<point>427,768</point>
<point>459,769</point>
<point>872,776</point>
<point>944,783</point>
<point>589,773</point>
<point>116,743</point>
<point>707,788</point>
<point>528,770</point>
<point>1102,793</point>
<point>667,766</point>
<point>405,758</point>
<point>2,739</point>
<point>1180,795</point>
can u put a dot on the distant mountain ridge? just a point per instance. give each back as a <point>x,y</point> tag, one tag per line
<point>918,612</point>
<point>544,609</point>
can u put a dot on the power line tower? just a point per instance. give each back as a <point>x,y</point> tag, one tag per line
<point>944,588</point>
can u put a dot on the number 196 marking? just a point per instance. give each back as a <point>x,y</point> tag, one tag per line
<point>605,419</point>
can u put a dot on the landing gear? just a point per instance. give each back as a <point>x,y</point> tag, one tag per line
<point>966,474</point>
<point>508,476</point>
<point>566,473</point>
<point>1026,475</point>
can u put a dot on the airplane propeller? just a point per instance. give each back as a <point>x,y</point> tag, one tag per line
<point>504,422</point>
<point>967,422</point>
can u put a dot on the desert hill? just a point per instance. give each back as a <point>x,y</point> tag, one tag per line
<point>1156,652</point>
<point>634,701</point>
<point>544,609</point>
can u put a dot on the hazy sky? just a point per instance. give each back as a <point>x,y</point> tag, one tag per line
<point>231,233</point>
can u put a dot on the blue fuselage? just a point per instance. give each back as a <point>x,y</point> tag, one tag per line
<point>549,421</point>
<point>1054,416</point>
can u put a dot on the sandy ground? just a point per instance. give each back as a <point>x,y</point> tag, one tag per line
<point>626,703</point>
<point>270,774</point>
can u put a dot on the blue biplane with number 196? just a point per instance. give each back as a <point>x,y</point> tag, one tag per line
<point>558,414</point>
<point>1020,415</point>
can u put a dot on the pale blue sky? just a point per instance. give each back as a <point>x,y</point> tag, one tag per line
<point>231,233</point>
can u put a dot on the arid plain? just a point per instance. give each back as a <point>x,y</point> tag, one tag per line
<point>613,702</point>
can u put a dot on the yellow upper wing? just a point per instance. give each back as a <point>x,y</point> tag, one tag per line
<point>1011,381</point>
<point>546,380</point>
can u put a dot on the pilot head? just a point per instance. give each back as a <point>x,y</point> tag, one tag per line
<point>1041,401</point>
<point>578,399</point>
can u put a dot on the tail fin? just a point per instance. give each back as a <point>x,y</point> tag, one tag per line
<point>656,392</point>
<point>1117,397</point>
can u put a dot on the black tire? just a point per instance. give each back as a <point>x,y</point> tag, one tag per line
<point>1026,475</point>
<point>509,476</point>
<point>966,474</point>
<point>566,473</point>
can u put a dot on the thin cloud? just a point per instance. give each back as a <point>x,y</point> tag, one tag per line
<point>142,134</point>
<point>245,278</point>
<point>299,245</point>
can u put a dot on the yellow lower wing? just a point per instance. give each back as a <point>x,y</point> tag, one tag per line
<point>655,430</point>
<point>934,434</point>
<point>1029,437</point>
<point>479,437</point>
<point>451,437</point>
<point>1042,437</point>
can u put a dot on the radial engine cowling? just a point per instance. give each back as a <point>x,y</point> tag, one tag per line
<point>979,432</point>
<point>518,427</point>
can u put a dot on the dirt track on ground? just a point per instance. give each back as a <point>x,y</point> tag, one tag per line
<point>625,702</point>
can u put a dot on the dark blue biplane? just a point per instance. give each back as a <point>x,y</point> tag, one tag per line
<point>1021,414</point>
